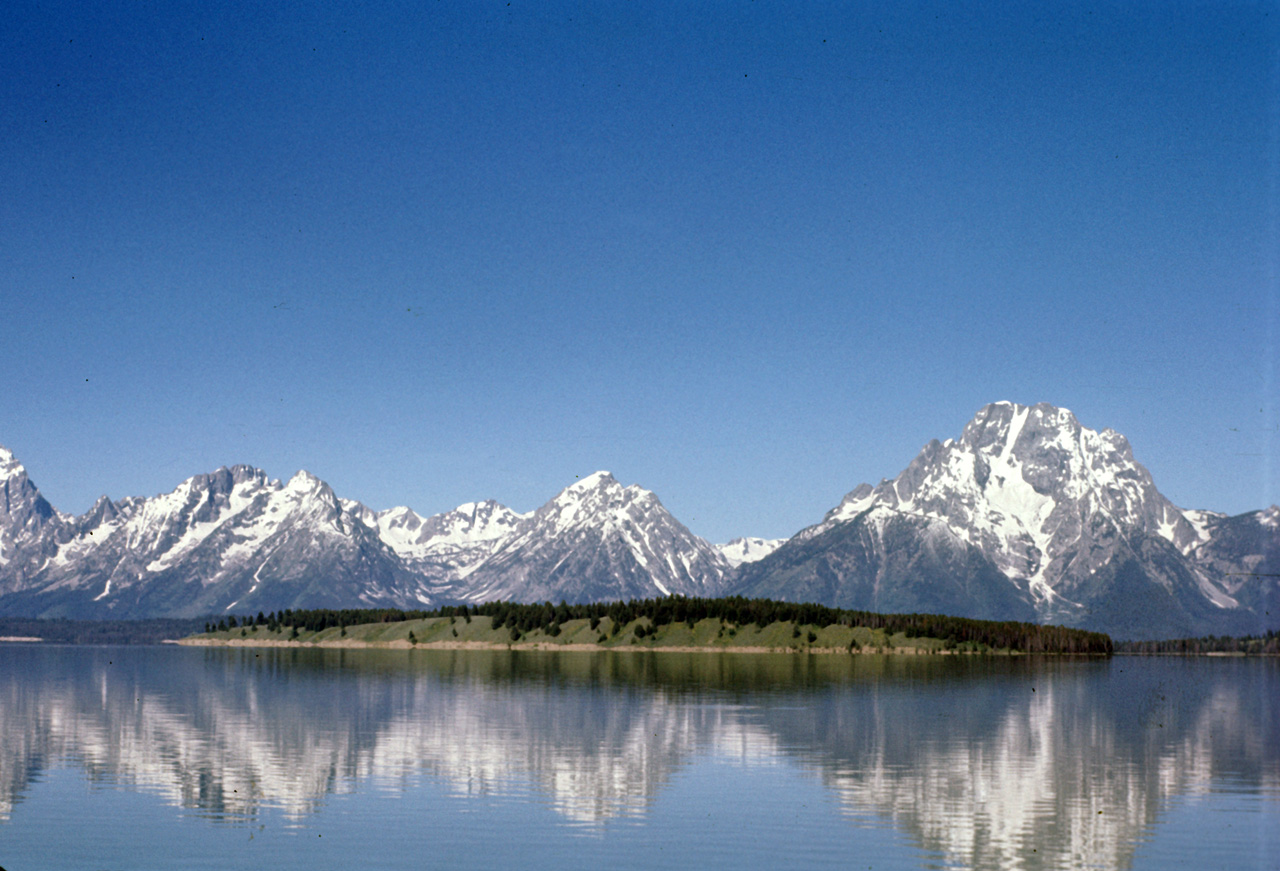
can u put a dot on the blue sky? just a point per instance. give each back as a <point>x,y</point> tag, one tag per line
<point>745,254</point>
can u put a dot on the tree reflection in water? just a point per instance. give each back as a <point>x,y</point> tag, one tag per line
<point>995,762</point>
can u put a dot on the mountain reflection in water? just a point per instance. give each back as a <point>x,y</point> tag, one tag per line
<point>994,763</point>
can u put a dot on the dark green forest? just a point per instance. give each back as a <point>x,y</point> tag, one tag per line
<point>62,631</point>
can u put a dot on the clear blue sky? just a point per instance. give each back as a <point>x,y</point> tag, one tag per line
<point>746,255</point>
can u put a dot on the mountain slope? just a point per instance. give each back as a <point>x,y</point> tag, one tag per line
<point>1244,553</point>
<point>30,529</point>
<point>442,548</point>
<point>233,540</point>
<point>1028,515</point>
<point>228,539</point>
<point>599,540</point>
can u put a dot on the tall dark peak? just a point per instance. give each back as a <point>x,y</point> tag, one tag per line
<point>21,505</point>
<point>30,529</point>
<point>103,511</point>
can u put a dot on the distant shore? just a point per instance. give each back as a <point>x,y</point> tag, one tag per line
<point>401,644</point>
<point>672,625</point>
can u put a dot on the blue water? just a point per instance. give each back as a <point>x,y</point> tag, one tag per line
<point>177,758</point>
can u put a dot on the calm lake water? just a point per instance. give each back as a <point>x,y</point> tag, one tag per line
<point>184,758</point>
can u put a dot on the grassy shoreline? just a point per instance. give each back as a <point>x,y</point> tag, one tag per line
<point>711,635</point>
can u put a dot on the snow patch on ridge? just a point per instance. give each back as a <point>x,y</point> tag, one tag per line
<point>748,549</point>
<point>463,537</point>
<point>9,465</point>
<point>1018,509</point>
<point>1200,522</point>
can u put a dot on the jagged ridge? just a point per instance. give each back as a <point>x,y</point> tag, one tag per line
<point>234,539</point>
<point>1028,516</point>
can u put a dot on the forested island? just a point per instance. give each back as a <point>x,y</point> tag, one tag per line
<point>673,623</point>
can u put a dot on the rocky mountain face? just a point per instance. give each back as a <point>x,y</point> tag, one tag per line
<point>1028,515</point>
<point>597,540</point>
<point>233,540</point>
<point>1243,554</point>
<point>1031,516</point>
<point>444,547</point>
<point>30,529</point>
<point>228,540</point>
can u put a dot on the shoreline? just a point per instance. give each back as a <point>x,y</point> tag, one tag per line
<point>402,644</point>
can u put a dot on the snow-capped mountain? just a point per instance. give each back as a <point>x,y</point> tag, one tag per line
<point>234,540</point>
<point>1030,516</point>
<point>227,540</point>
<point>30,528</point>
<point>1242,555</point>
<point>457,540</point>
<point>748,550</point>
<point>599,540</point>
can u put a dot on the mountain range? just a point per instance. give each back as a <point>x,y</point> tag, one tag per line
<point>1028,516</point>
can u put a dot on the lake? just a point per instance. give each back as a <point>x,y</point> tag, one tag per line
<point>194,758</point>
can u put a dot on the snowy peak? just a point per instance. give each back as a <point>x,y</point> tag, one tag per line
<point>233,538</point>
<point>1049,450</point>
<point>587,500</point>
<point>164,529</point>
<point>597,539</point>
<point>9,466</point>
<point>1042,495</point>
<point>594,481</point>
<point>474,523</point>
<point>103,511</point>
<point>359,511</point>
<point>1017,462</point>
<point>30,528</point>
<point>18,496</point>
<point>595,499</point>
<point>1031,515</point>
<point>400,523</point>
<point>1027,515</point>
<point>748,550</point>
<point>305,485</point>
<point>462,536</point>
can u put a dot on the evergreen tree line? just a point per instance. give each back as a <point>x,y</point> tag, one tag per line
<point>1260,645</point>
<point>314,620</point>
<point>521,619</point>
<point>61,630</point>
